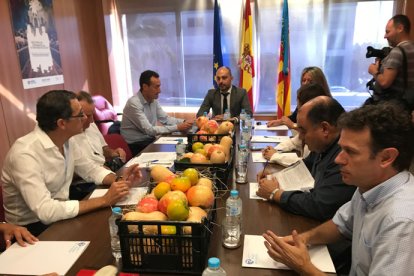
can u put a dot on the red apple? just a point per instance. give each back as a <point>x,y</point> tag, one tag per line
<point>211,126</point>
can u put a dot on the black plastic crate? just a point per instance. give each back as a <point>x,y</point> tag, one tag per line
<point>220,173</point>
<point>208,138</point>
<point>165,253</point>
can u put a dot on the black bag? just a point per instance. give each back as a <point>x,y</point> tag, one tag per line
<point>408,96</point>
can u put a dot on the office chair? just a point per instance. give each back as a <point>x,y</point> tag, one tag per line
<point>115,140</point>
<point>105,115</point>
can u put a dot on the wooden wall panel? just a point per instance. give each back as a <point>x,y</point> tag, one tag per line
<point>83,52</point>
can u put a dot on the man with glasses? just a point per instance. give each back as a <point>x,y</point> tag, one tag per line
<point>91,140</point>
<point>38,169</point>
<point>143,112</point>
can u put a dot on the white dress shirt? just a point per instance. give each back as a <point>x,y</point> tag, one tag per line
<point>36,179</point>
<point>91,142</point>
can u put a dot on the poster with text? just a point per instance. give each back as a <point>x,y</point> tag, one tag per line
<point>36,42</point>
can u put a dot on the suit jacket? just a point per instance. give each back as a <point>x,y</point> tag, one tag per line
<point>238,101</point>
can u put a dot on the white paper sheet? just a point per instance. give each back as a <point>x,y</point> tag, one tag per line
<point>253,187</point>
<point>149,159</point>
<point>170,140</point>
<point>41,258</point>
<point>255,255</point>
<point>294,178</point>
<point>282,158</point>
<point>134,196</point>
<point>257,157</point>
<point>265,127</point>
<point>268,139</point>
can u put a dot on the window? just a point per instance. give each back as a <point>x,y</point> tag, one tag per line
<point>175,38</point>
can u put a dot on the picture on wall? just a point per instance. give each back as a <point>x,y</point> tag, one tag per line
<point>36,42</point>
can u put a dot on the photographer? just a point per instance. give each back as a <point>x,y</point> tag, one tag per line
<point>389,73</point>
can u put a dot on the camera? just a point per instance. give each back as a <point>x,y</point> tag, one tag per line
<point>378,53</point>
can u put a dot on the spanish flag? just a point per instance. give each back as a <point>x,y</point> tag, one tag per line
<point>246,61</point>
<point>283,81</point>
<point>217,54</point>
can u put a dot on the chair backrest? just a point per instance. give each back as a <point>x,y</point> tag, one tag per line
<point>2,244</point>
<point>115,140</point>
<point>103,111</point>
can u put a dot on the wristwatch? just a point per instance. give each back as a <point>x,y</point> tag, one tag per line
<point>272,194</point>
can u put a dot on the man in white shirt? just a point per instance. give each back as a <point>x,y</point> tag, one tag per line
<point>91,141</point>
<point>38,169</point>
<point>376,153</point>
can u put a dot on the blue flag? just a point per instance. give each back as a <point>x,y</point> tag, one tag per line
<point>217,55</point>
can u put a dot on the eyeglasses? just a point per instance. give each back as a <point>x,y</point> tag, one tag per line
<point>80,115</point>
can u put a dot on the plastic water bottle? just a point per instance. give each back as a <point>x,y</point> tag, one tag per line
<point>113,231</point>
<point>245,136</point>
<point>234,205</point>
<point>232,223</point>
<point>214,268</point>
<point>226,115</point>
<point>205,114</point>
<point>243,115</point>
<point>180,148</point>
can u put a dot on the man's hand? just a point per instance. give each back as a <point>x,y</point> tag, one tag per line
<point>121,153</point>
<point>373,68</point>
<point>184,126</point>
<point>273,123</point>
<point>268,152</point>
<point>295,256</point>
<point>218,117</point>
<point>117,191</point>
<point>266,187</point>
<point>132,175</point>
<point>21,234</point>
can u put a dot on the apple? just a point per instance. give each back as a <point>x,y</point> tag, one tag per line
<point>147,205</point>
<point>211,126</point>
<point>197,145</point>
<point>204,181</point>
<point>169,197</point>
<point>200,196</point>
<point>218,157</point>
<point>225,128</point>
<point>198,158</point>
<point>200,121</point>
<point>214,148</point>
<point>202,138</point>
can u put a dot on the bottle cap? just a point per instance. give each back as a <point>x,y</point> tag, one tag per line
<point>214,262</point>
<point>234,193</point>
<point>242,146</point>
<point>180,140</point>
<point>117,210</point>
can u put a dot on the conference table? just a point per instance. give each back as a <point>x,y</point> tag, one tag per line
<point>258,216</point>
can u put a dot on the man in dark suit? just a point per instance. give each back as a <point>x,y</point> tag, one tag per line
<point>216,99</point>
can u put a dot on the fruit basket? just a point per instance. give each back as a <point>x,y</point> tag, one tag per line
<point>221,174</point>
<point>182,251</point>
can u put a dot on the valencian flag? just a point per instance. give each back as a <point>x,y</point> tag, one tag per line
<point>283,79</point>
<point>217,55</point>
<point>246,61</point>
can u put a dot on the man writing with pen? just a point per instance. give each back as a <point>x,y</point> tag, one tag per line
<point>318,130</point>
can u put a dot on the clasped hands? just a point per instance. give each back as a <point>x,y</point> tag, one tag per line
<point>290,250</point>
<point>268,152</point>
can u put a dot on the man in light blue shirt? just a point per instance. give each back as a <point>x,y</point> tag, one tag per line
<point>375,157</point>
<point>142,112</point>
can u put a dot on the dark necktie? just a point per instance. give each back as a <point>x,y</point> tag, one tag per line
<point>225,107</point>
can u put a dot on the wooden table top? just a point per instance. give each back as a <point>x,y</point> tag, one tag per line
<point>258,216</point>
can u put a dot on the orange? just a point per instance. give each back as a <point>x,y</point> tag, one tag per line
<point>161,189</point>
<point>192,174</point>
<point>196,146</point>
<point>181,183</point>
